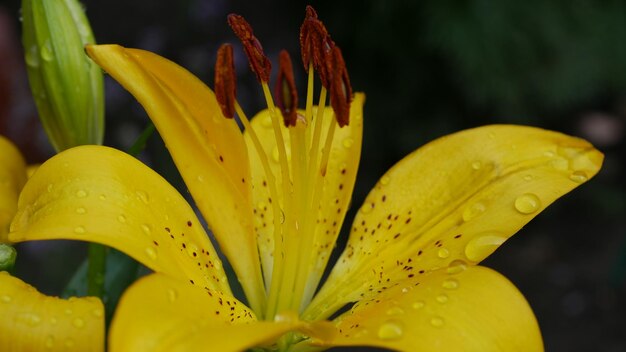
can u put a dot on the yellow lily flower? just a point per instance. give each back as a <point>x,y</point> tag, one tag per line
<point>29,320</point>
<point>275,198</point>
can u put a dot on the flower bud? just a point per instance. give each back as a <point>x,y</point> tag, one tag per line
<point>7,257</point>
<point>66,84</point>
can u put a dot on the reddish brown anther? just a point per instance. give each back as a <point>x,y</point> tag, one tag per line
<point>315,43</point>
<point>285,90</point>
<point>340,89</point>
<point>259,63</point>
<point>225,80</point>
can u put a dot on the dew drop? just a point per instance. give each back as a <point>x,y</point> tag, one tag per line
<point>97,312</point>
<point>578,176</point>
<point>200,178</point>
<point>81,193</point>
<point>266,121</point>
<point>49,342</point>
<point>5,299</point>
<point>395,311</point>
<point>527,203</point>
<point>385,180</point>
<point>102,197</point>
<point>81,210</point>
<point>450,284</point>
<point>367,208</point>
<point>49,188</point>
<point>46,51</point>
<point>32,57</point>
<point>436,322</point>
<point>122,219</point>
<point>473,211</point>
<point>31,319</point>
<point>78,323</point>
<point>559,164</point>
<point>172,295</point>
<point>549,154</point>
<point>390,331</point>
<point>146,229</point>
<point>482,246</point>
<point>79,230</point>
<point>443,253</point>
<point>418,305</point>
<point>143,196</point>
<point>528,178</point>
<point>476,165</point>
<point>69,342</point>
<point>456,266</point>
<point>348,142</point>
<point>442,298</point>
<point>151,253</point>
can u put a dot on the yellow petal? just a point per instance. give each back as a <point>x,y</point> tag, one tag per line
<point>100,194</point>
<point>32,321</point>
<point>12,178</point>
<point>457,198</point>
<point>338,185</point>
<point>158,313</point>
<point>207,148</point>
<point>474,310</point>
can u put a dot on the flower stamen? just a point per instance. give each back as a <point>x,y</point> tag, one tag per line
<point>285,90</point>
<point>225,80</point>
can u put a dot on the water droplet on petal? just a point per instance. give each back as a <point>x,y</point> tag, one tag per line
<point>473,211</point>
<point>5,299</point>
<point>476,165</point>
<point>32,56</point>
<point>81,210</point>
<point>395,311</point>
<point>559,164</point>
<point>527,203</point>
<point>390,331</point>
<point>348,142</point>
<point>578,176</point>
<point>437,322</point>
<point>122,219</point>
<point>79,230</point>
<point>49,342</point>
<point>367,208</point>
<point>146,229</point>
<point>102,197</point>
<point>200,178</point>
<point>528,178</point>
<point>97,312</point>
<point>482,246</point>
<point>443,253</point>
<point>78,323</point>
<point>450,284</point>
<point>385,180</point>
<point>418,305</point>
<point>151,253</point>
<point>143,196</point>
<point>456,266</point>
<point>442,298</point>
<point>549,154</point>
<point>46,51</point>
<point>81,193</point>
<point>172,295</point>
<point>50,187</point>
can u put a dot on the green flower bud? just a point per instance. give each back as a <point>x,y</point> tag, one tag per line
<point>7,257</point>
<point>66,84</point>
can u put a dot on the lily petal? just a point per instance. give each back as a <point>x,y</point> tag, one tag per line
<point>12,179</point>
<point>208,149</point>
<point>159,313</point>
<point>455,199</point>
<point>100,194</point>
<point>474,310</point>
<point>338,184</point>
<point>32,321</point>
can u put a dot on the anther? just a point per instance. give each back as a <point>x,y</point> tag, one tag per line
<point>225,80</point>
<point>285,90</point>
<point>259,63</point>
<point>340,89</point>
<point>315,43</point>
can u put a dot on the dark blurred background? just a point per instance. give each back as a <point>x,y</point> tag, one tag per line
<point>429,68</point>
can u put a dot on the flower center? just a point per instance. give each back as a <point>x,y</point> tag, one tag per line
<point>302,171</point>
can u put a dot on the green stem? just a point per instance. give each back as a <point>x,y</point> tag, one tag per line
<point>97,253</point>
<point>95,272</point>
